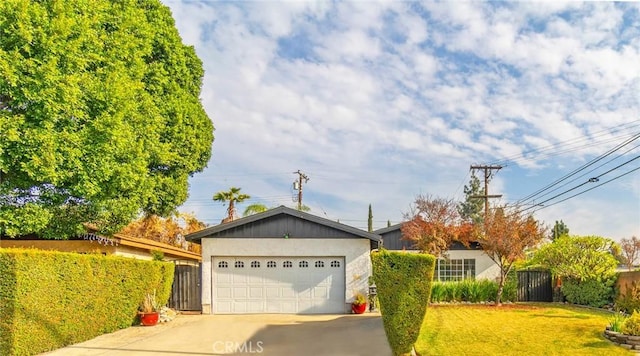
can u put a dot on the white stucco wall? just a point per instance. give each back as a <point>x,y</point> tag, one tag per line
<point>355,252</point>
<point>485,267</point>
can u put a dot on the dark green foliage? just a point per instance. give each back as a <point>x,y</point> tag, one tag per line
<point>559,229</point>
<point>157,255</point>
<point>100,115</point>
<point>591,292</point>
<point>473,291</point>
<point>628,300</point>
<point>52,299</point>
<point>471,209</point>
<point>404,289</point>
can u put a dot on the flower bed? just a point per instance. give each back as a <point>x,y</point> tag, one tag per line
<point>629,342</point>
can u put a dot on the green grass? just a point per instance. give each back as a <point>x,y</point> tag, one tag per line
<point>522,329</point>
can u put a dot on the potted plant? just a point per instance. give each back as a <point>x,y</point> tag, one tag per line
<point>149,310</point>
<point>359,304</point>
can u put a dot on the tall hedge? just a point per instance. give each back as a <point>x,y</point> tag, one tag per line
<point>52,299</point>
<point>404,289</point>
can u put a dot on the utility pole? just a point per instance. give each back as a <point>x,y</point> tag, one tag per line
<point>487,175</point>
<point>298,186</point>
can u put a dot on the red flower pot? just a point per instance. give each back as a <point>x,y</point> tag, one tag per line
<point>149,319</point>
<point>358,309</point>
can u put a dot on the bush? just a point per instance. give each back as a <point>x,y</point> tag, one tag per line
<point>617,322</point>
<point>473,291</point>
<point>52,299</point>
<point>591,292</point>
<point>404,288</point>
<point>631,326</point>
<point>629,299</point>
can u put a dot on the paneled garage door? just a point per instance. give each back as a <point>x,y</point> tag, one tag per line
<point>301,285</point>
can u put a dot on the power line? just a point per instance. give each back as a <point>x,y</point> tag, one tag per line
<point>589,143</point>
<point>589,171</point>
<point>590,180</point>
<point>590,189</point>
<point>574,172</point>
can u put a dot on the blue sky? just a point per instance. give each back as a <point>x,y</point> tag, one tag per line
<point>380,101</point>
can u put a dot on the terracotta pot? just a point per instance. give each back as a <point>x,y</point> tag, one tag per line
<point>358,309</point>
<point>149,319</point>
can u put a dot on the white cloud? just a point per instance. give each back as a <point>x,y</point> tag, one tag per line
<point>382,101</point>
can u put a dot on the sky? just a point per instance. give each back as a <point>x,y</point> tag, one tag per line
<point>378,102</point>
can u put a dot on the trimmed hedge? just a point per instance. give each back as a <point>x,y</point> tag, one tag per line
<point>51,299</point>
<point>404,288</point>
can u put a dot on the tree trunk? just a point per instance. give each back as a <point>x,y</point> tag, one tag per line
<point>500,289</point>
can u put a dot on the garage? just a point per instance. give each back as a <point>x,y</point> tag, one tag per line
<point>301,285</point>
<point>283,261</point>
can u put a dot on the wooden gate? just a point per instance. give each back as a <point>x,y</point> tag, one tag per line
<point>187,288</point>
<point>534,286</point>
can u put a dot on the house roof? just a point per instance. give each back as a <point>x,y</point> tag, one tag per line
<point>392,240</point>
<point>116,240</point>
<point>388,229</point>
<point>282,221</point>
<point>137,242</point>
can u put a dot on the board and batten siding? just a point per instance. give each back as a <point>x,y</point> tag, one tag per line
<point>354,250</point>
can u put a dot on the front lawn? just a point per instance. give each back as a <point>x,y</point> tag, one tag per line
<point>522,329</point>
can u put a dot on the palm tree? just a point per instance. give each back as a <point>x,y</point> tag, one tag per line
<point>255,209</point>
<point>232,196</point>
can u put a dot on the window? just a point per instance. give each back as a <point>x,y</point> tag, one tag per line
<point>239,264</point>
<point>255,264</point>
<point>319,264</point>
<point>303,264</point>
<point>287,264</point>
<point>455,269</point>
<point>271,264</point>
<point>223,264</point>
<point>335,263</point>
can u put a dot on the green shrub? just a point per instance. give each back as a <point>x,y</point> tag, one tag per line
<point>591,292</point>
<point>628,300</point>
<point>631,326</point>
<point>52,299</point>
<point>474,291</point>
<point>404,288</point>
<point>617,322</point>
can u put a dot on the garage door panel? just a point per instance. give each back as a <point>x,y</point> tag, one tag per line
<point>321,292</point>
<point>278,285</point>
<point>240,292</point>
<point>256,293</point>
<point>287,292</point>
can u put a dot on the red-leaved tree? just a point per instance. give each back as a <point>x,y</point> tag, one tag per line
<point>630,251</point>
<point>506,235</point>
<point>433,224</point>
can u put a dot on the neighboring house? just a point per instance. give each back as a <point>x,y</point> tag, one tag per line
<point>283,261</point>
<point>461,262</point>
<point>119,245</point>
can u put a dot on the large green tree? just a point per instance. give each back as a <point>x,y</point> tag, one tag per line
<point>100,116</point>
<point>472,208</point>
<point>559,229</point>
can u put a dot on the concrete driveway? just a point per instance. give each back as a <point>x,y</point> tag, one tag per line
<point>259,334</point>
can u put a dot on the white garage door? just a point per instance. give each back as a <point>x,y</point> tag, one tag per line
<point>302,285</point>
